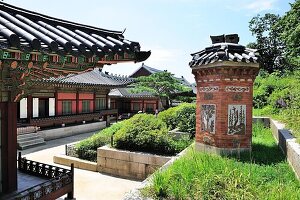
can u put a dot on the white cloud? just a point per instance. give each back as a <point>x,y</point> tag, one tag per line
<point>260,5</point>
<point>252,6</point>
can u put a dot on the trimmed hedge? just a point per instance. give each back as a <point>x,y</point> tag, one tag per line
<point>87,148</point>
<point>146,133</point>
<point>182,117</point>
<point>186,118</point>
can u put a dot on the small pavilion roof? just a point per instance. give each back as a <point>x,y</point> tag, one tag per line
<point>224,48</point>
<point>126,93</point>
<point>29,31</point>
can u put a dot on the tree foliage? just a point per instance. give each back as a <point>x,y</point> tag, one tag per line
<point>267,41</point>
<point>278,39</point>
<point>289,26</point>
<point>161,84</point>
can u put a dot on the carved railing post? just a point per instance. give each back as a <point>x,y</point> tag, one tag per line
<point>70,195</point>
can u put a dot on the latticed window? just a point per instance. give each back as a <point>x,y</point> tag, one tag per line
<point>149,107</point>
<point>136,106</point>
<point>100,103</point>
<point>86,106</point>
<point>66,107</point>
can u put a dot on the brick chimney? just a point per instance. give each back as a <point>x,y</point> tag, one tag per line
<point>224,74</point>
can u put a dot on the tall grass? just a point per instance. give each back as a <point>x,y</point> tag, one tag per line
<point>264,174</point>
<point>291,118</point>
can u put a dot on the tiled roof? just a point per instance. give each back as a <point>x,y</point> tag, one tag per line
<point>126,93</point>
<point>151,69</point>
<point>183,81</point>
<point>224,48</point>
<point>92,78</point>
<point>30,31</point>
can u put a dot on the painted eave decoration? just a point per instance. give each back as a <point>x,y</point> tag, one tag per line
<point>224,48</point>
<point>39,44</point>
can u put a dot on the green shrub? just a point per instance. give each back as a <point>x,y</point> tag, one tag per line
<point>146,133</point>
<point>169,117</point>
<point>186,118</point>
<point>182,116</point>
<point>87,148</point>
<point>278,96</point>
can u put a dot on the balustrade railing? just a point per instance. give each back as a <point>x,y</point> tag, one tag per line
<point>61,181</point>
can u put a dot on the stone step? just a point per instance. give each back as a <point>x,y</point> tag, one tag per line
<point>29,140</point>
<point>27,136</point>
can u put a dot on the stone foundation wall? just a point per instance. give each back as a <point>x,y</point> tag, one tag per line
<point>134,165</point>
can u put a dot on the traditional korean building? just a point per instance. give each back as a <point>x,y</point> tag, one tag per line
<point>128,102</point>
<point>34,47</point>
<point>75,98</point>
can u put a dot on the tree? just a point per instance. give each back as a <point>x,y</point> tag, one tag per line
<point>161,84</point>
<point>268,41</point>
<point>289,26</point>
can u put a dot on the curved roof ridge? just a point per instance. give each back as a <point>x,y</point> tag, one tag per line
<point>46,17</point>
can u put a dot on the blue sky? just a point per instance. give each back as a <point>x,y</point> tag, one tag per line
<point>171,29</point>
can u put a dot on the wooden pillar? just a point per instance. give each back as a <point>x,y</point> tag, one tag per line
<point>29,108</point>
<point>9,145</point>
<point>94,102</point>
<point>77,102</point>
<point>56,103</point>
<point>107,106</point>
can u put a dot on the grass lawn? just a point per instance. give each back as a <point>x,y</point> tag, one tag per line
<point>264,174</point>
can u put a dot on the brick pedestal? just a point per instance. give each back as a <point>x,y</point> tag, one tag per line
<point>224,75</point>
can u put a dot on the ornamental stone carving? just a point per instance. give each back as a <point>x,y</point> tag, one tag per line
<point>237,89</point>
<point>209,89</point>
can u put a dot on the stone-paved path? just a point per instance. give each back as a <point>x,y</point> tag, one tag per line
<point>88,185</point>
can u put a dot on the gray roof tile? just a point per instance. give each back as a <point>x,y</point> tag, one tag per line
<point>31,31</point>
<point>224,51</point>
<point>92,78</point>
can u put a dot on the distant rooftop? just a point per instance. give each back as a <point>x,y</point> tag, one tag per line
<point>94,78</point>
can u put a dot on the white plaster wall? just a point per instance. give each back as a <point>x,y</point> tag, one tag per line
<point>23,108</point>
<point>35,107</point>
<point>51,106</point>
<point>108,99</point>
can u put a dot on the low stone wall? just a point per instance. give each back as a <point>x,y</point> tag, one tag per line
<point>176,134</point>
<point>134,165</point>
<point>78,163</point>
<point>70,150</point>
<point>135,193</point>
<point>285,140</point>
<point>56,133</point>
<point>288,144</point>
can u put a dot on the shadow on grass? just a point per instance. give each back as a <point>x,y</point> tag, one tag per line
<point>261,154</point>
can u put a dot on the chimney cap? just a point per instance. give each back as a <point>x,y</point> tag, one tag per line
<point>230,38</point>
